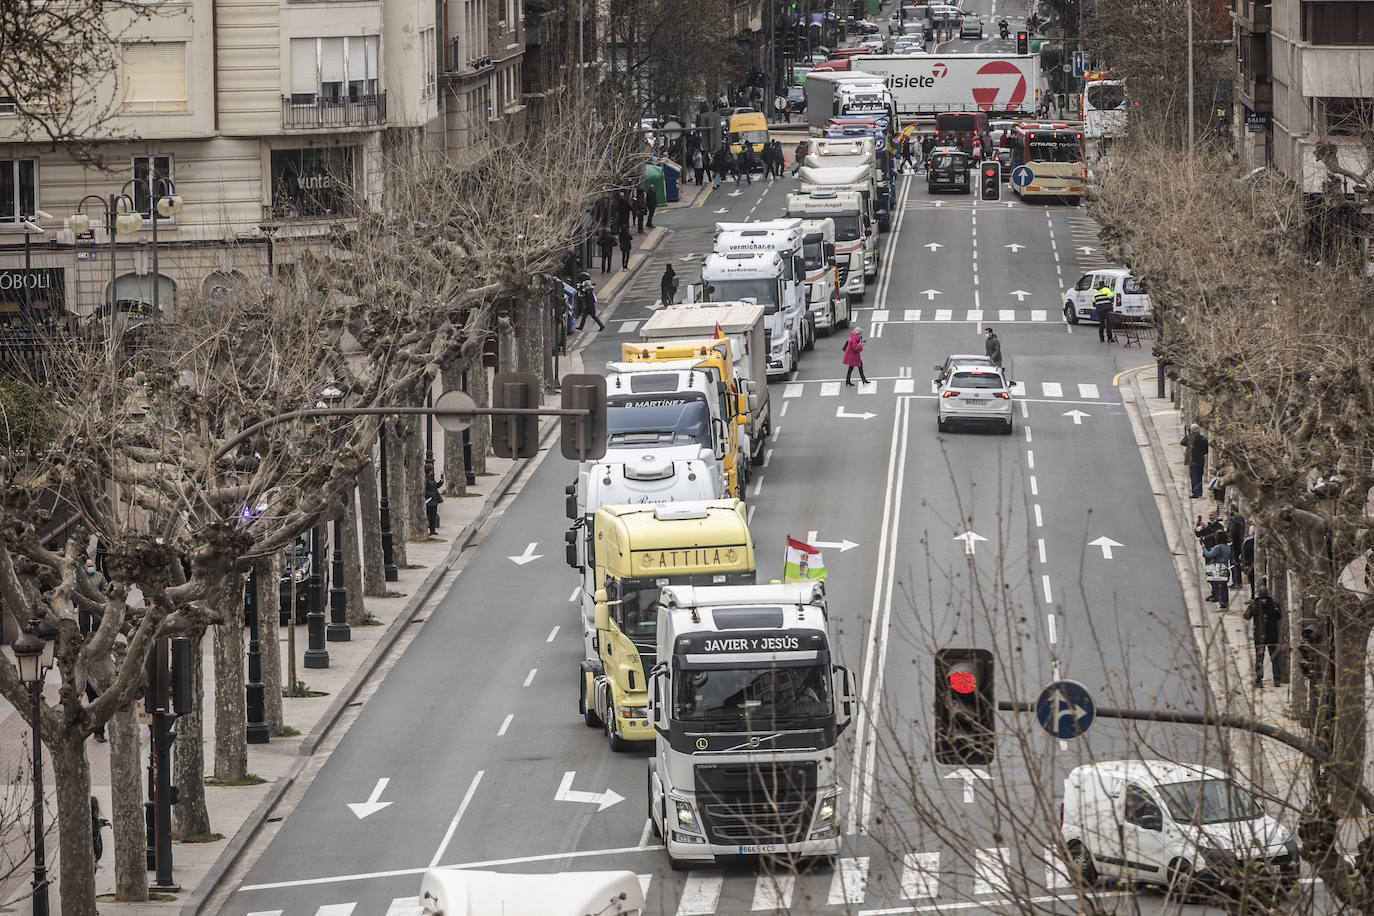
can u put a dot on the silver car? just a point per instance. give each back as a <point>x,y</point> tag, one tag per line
<point>973,393</point>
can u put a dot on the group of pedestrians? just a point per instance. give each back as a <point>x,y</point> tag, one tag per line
<point>726,164</point>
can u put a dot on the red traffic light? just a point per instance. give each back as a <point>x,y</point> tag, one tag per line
<point>963,682</point>
<point>990,173</point>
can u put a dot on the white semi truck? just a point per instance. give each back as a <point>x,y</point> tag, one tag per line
<point>924,85</point>
<point>770,280</point>
<point>747,705</point>
<point>860,179</point>
<point>845,92</point>
<point>829,306</point>
<point>785,237</point>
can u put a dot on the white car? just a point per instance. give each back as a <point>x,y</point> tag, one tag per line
<point>973,392</point>
<point>1175,824</point>
<point>874,45</point>
<point>1130,298</point>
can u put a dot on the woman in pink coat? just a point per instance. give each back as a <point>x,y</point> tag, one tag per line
<point>853,356</point>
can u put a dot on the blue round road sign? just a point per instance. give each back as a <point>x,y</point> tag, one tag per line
<point>1065,709</point>
<point>1021,176</point>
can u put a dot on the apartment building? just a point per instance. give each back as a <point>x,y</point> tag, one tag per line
<point>1304,75</point>
<point>270,119</point>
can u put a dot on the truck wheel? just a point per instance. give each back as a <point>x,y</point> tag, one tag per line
<point>649,789</point>
<point>1081,867</point>
<point>1180,880</point>
<point>810,343</point>
<point>618,744</point>
<point>588,710</point>
<point>1070,315</point>
<point>796,358</point>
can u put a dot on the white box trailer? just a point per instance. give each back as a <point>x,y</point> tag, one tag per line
<point>742,323</point>
<point>845,92</point>
<point>926,84</point>
<point>460,892</point>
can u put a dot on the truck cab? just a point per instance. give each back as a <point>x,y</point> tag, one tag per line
<point>855,152</point>
<point>634,552</point>
<point>829,307</point>
<point>846,209</point>
<point>769,280</point>
<point>862,181</point>
<point>785,237</point>
<point>747,706</point>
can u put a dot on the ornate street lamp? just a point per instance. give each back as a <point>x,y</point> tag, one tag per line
<point>33,652</point>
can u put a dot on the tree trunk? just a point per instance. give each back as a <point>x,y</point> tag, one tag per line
<point>374,581</point>
<point>1351,723</point>
<point>231,731</point>
<point>417,523</point>
<point>75,856</point>
<point>353,568</point>
<point>455,478</point>
<point>480,389</point>
<point>189,815</point>
<point>269,636</point>
<point>126,807</point>
<point>396,491</point>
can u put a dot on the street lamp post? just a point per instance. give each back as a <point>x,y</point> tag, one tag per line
<point>255,690</point>
<point>338,630</point>
<point>33,652</point>
<point>119,220</point>
<point>389,572</point>
<point>429,432</point>
<point>316,655</point>
<point>163,200</point>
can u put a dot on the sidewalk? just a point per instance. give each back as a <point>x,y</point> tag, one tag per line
<point>1224,641</point>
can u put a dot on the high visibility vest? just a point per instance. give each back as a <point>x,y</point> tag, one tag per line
<point>1102,299</point>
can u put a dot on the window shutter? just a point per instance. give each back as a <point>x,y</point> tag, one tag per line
<point>154,72</point>
<point>331,60</point>
<point>305,75</point>
<point>373,45</point>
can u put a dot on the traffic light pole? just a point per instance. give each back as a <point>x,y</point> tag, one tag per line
<point>1315,752</point>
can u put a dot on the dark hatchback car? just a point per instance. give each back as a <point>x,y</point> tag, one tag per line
<point>948,170</point>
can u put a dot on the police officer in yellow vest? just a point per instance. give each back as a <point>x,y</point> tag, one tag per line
<point>1102,306</point>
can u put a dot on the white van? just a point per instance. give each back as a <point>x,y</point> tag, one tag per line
<point>1130,297</point>
<point>1172,824</point>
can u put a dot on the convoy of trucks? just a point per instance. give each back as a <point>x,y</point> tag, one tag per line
<point>846,210</point>
<point>858,180</point>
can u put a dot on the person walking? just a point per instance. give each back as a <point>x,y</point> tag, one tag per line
<point>605,240</point>
<point>719,166</point>
<point>1218,569</point>
<point>1195,448</point>
<point>86,624</point>
<point>698,166</point>
<point>799,156</point>
<point>906,154</point>
<point>667,287</point>
<point>637,207</point>
<point>977,149</point>
<point>1265,617</point>
<point>625,241</point>
<point>853,357</point>
<point>622,210</point>
<point>650,203</point>
<point>99,823</point>
<point>1102,309</point>
<point>746,163</point>
<point>992,347</point>
<point>432,500</point>
<point>586,297</point>
<point>1235,534</point>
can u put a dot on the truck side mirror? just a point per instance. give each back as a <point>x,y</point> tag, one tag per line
<point>570,548</point>
<point>829,250</point>
<point>848,701</point>
<point>602,614</point>
<point>721,439</point>
<point>658,702</point>
<point>742,409</point>
<point>570,500</point>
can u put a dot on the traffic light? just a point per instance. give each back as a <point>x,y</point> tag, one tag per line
<point>1023,42</point>
<point>515,435</point>
<point>965,707</point>
<point>992,179</point>
<point>584,438</point>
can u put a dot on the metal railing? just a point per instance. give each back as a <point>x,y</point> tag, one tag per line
<point>302,111</point>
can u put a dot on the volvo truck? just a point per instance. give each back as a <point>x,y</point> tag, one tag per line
<point>846,209</point>
<point>746,704</point>
<point>634,552</point>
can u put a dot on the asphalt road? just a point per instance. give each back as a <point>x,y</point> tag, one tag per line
<point>476,728</point>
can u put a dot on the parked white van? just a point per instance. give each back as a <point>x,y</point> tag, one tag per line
<point>1174,824</point>
<point>1129,297</point>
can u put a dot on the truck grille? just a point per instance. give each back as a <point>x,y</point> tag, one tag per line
<point>843,270</point>
<point>751,805</point>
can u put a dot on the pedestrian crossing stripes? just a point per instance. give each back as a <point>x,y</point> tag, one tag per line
<point>1075,391</point>
<point>1004,316</point>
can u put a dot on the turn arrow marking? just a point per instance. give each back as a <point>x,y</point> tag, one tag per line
<point>969,538</point>
<point>602,800</point>
<point>372,805</point>
<point>724,209</point>
<point>841,412</point>
<point>969,776</point>
<point>1106,544</point>
<point>1077,415</point>
<point>1020,294</point>
<point>841,546</point>
<point>691,255</point>
<point>529,556</point>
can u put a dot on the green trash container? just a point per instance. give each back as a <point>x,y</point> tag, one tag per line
<point>653,180</point>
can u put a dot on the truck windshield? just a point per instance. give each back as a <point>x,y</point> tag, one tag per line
<point>637,613</point>
<point>757,697</point>
<point>1209,801</point>
<point>657,422</point>
<point>762,290</point>
<point>813,252</point>
<point>847,227</point>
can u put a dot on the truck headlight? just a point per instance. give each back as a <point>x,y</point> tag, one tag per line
<point>634,712</point>
<point>825,814</point>
<point>686,817</point>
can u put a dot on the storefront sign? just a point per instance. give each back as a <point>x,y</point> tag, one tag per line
<point>42,286</point>
<point>1256,122</point>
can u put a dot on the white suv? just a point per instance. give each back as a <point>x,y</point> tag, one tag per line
<point>1130,299</point>
<point>974,393</point>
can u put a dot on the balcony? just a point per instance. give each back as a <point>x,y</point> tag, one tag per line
<point>314,112</point>
<point>1254,15</point>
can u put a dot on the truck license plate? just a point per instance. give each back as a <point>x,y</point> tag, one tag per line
<point>756,850</point>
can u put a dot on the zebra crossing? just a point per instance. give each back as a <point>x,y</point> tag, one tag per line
<point>1051,391</point>
<point>924,315</point>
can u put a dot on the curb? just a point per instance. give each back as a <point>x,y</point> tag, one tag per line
<point>210,883</point>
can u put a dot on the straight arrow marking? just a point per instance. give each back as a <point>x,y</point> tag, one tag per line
<point>1106,544</point>
<point>1020,294</point>
<point>968,775</point>
<point>1014,247</point>
<point>1077,415</point>
<point>930,294</point>
<point>841,546</point>
<point>372,805</point>
<point>970,538</point>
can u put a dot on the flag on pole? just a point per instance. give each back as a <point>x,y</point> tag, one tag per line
<point>802,562</point>
<point>719,333</point>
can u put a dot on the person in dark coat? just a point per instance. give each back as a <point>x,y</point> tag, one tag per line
<point>1265,617</point>
<point>622,209</point>
<point>668,285</point>
<point>1235,533</point>
<point>1220,552</point>
<point>744,165</point>
<point>1207,531</point>
<point>625,246</point>
<point>1195,448</point>
<point>650,204</point>
<point>98,823</point>
<point>907,152</point>
<point>637,207</point>
<point>432,500</point>
<point>720,166</point>
<point>605,240</point>
<point>992,347</point>
<point>698,165</point>
<point>586,299</point>
<point>853,357</point>
<point>799,156</point>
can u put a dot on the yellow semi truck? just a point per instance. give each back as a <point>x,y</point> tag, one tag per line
<point>635,551</point>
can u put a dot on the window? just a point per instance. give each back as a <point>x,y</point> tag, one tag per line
<point>1338,23</point>
<point>1346,117</point>
<point>334,68</point>
<point>1141,809</point>
<point>7,105</point>
<point>312,182</point>
<point>18,189</point>
<point>154,76</point>
<point>491,97</point>
<point>430,56</point>
<point>162,168</point>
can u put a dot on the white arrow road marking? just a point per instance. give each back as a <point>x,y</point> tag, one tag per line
<point>854,416</point>
<point>930,295</point>
<point>735,193</point>
<point>1077,415</point>
<point>1106,544</point>
<point>933,245</point>
<point>841,546</point>
<point>726,209</point>
<point>1020,294</point>
<point>372,805</point>
<point>690,255</point>
<point>969,775</point>
<point>1086,249</point>
<point>1014,247</point>
<point>970,538</point>
<point>602,800</point>
<point>529,556</point>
